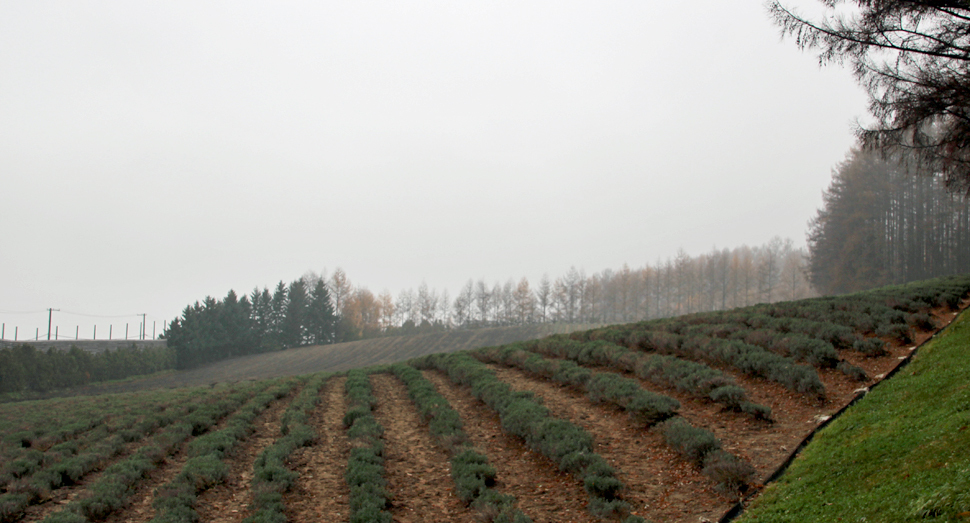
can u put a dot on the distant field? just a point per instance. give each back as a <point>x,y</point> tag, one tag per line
<point>337,357</point>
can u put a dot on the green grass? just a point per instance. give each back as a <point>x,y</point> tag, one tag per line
<point>900,454</point>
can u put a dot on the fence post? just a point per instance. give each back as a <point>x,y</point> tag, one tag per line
<point>95,335</point>
<point>126,332</point>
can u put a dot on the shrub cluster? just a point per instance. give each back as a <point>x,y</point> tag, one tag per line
<point>703,449</point>
<point>696,379</point>
<point>369,499</point>
<point>799,347</point>
<point>118,481</point>
<point>561,441</point>
<point>756,361</point>
<point>644,406</point>
<point>872,347</point>
<point>271,477</point>
<point>470,469</point>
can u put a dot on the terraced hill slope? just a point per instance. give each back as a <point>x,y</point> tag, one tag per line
<point>899,454</point>
<point>668,420</point>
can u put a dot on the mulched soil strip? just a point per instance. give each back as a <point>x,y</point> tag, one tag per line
<point>660,485</point>
<point>321,493</point>
<point>417,471</point>
<point>902,361</point>
<point>545,494</point>
<point>228,502</point>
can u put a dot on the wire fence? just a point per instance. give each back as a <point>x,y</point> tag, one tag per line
<point>50,325</point>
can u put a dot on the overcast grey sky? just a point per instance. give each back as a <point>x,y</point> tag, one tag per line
<point>153,153</point>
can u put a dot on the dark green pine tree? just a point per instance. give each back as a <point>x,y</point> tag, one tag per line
<point>215,338</point>
<point>321,320</point>
<point>259,318</point>
<point>274,335</point>
<point>294,323</point>
<point>236,320</point>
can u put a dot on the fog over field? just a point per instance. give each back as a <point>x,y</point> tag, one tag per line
<point>153,153</point>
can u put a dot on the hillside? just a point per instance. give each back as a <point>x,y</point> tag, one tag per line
<point>664,420</point>
<point>899,454</point>
<point>336,357</point>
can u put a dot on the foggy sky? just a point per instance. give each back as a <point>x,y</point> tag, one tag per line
<point>153,153</point>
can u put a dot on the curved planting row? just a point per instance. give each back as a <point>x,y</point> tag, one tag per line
<point>66,463</point>
<point>365,468</point>
<point>564,443</point>
<point>766,340</point>
<point>271,477</point>
<point>118,482</point>
<point>470,469</point>
<point>696,444</point>
<point>687,376</point>
<point>59,429</point>
<point>747,359</point>
<point>175,501</point>
<point>646,407</point>
<point>808,341</point>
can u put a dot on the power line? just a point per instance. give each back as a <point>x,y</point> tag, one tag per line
<point>101,315</point>
<point>75,314</point>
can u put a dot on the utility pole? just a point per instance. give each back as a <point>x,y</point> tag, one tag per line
<point>144,327</point>
<point>50,314</point>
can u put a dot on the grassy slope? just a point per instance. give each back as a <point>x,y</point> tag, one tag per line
<point>337,357</point>
<point>900,454</point>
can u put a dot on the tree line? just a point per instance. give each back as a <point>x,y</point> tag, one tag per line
<point>316,309</point>
<point>26,368</point>
<point>882,225</point>
<point>292,315</point>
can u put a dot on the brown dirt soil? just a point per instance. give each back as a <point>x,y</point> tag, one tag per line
<point>417,470</point>
<point>230,501</point>
<point>544,493</point>
<point>321,493</point>
<point>660,485</point>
